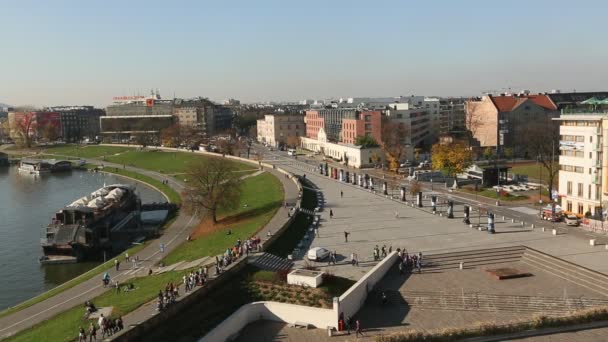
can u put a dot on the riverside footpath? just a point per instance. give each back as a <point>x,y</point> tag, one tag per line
<point>77,295</point>
<point>176,233</point>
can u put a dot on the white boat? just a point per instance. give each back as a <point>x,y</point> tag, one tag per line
<point>34,167</point>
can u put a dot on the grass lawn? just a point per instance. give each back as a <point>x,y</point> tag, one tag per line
<point>263,195</point>
<point>164,162</point>
<point>69,284</point>
<point>290,238</point>
<point>491,193</point>
<point>64,326</point>
<point>85,151</point>
<point>533,170</point>
<point>173,196</point>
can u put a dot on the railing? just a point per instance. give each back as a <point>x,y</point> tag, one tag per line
<point>585,110</point>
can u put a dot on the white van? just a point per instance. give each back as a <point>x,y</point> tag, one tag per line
<point>291,152</point>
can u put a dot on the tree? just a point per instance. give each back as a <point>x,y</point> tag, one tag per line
<point>473,120</point>
<point>171,136</point>
<point>453,158</point>
<point>50,132</point>
<point>415,187</point>
<point>538,140</point>
<point>488,153</point>
<point>508,153</point>
<point>366,141</point>
<point>214,185</point>
<point>25,127</point>
<point>394,137</point>
<point>293,141</point>
<point>4,130</point>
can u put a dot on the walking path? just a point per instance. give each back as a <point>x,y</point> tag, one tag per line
<point>171,238</point>
<point>278,220</point>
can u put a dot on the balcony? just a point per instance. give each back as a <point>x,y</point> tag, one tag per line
<point>597,180</point>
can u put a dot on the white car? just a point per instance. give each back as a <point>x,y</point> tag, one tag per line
<point>317,253</point>
<point>571,220</point>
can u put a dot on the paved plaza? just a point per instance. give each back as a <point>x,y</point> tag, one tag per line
<point>370,220</point>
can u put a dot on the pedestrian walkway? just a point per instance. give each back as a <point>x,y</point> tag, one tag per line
<point>291,193</point>
<point>171,238</point>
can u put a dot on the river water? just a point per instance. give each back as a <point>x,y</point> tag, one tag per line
<point>27,203</point>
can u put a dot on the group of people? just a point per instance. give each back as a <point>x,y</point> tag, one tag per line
<point>239,249</point>
<point>381,253</point>
<point>167,297</point>
<point>198,278</point>
<point>349,324</point>
<point>408,262</point>
<point>108,327</point>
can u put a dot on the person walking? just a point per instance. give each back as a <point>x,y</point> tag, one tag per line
<point>92,332</point>
<point>82,336</point>
<point>349,324</point>
<point>331,213</point>
<point>346,236</point>
<point>117,264</point>
<point>358,328</point>
<point>341,194</point>
<point>316,232</point>
<point>127,257</point>
<point>352,259</point>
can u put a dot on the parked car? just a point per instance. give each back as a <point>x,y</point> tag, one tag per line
<point>317,253</point>
<point>571,220</point>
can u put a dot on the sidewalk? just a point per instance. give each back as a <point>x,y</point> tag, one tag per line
<point>278,220</point>
<point>172,237</point>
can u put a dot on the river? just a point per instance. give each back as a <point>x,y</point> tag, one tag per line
<point>27,203</point>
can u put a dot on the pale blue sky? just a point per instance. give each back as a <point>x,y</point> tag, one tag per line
<point>84,52</point>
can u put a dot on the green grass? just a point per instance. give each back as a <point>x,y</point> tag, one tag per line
<point>263,195</point>
<point>69,284</point>
<point>164,162</point>
<point>173,196</point>
<point>532,170</point>
<point>491,193</point>
<point>290,238</point>
<point>85,151</point>
<point>64,326</point>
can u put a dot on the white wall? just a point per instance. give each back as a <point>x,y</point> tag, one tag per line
<point>352,300</point>
<point>279,312</point>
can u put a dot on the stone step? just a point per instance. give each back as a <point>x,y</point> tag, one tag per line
<point>580,273</point>
<point>477,252</point>
<point>270,262</point>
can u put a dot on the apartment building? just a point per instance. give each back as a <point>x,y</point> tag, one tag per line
<point>276,129</point>
<point>583,175</point>
<point>343,125</point>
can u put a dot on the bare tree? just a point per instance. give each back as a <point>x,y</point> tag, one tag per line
<point>171,136</point>
<point>214,186</point>
<point>394,138</point>
<point>24,126</point>
<point>472,119</point>
<point>50,132</point>
<point>539,141</point>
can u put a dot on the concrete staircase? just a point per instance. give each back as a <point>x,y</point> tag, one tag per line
<point>494,302</point>
<point>581,276</point>
<point>270,262</point>
<point>472,258</point>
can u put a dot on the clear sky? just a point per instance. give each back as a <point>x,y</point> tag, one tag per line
<point>84,52</point>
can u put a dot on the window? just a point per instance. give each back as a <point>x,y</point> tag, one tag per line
<point>368,127</point>
<point>589,191</point>
<point>590,155</point>
<point>580,209</point>
<point>570,168</point>
<point>591,139</point>
<point>368,118</point>
<point>598,192</point>
<point>569,206</point>
<point>569,188</point>
<point>579,193</point>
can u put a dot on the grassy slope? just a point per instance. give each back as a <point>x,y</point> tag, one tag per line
<point>532,170</point>
<point>174,197</point>
<point>263,195</point>
<point>88,151</point>
<point>64,327</point>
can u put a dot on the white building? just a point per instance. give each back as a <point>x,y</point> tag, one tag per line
<point>276,130</point>
<point>348,154</point>
<point>583,165</point>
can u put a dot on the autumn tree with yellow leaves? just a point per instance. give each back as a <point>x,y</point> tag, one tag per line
<point>452,158</point>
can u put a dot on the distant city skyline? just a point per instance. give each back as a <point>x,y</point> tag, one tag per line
<point>75,53</point>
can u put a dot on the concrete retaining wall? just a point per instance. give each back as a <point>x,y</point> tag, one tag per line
<point>138,332</point>
<point>279,312</point>
<point>352,300</point>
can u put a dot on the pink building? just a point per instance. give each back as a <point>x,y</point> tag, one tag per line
<point>344,125</point>
<point>368,123</point>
